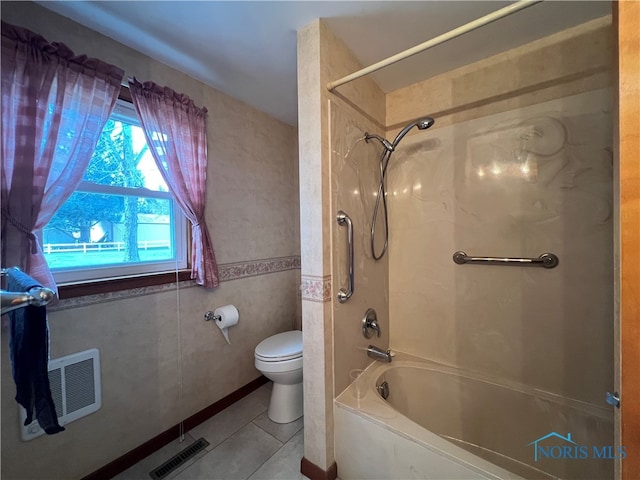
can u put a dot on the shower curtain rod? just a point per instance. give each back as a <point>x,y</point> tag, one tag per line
<point>456,32</point>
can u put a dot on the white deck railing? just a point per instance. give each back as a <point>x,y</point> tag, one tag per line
<point>86,247</point>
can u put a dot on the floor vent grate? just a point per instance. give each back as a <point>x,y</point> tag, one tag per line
<point>174,462</point>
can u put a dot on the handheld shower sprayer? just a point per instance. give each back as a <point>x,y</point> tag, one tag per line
<point>389,148</point>
<point>422,124</point>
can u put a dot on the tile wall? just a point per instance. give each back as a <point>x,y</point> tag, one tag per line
<point>149,339</point>
<point>332,334</point>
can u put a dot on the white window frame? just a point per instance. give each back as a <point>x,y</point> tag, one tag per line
<point>125,111</point>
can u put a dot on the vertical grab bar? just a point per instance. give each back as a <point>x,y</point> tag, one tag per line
<point>343,218</point>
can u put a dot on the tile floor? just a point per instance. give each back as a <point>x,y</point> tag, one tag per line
<point>243,444</point>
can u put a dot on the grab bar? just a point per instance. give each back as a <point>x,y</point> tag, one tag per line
<point>343,218</point>
<point>546,260</point>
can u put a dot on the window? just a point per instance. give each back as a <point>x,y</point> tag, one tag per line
<point>121,220</point>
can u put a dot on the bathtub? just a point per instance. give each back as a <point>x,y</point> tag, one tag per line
<point>439,422</point>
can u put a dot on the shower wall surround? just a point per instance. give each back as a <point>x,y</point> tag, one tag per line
<point>514,184</point>
<point>553,67</point>
<point>431,181</point>
<point>519,163</point>
<point>253,216</point>
<point>354,184</point>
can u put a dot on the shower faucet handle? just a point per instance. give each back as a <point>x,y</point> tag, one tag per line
<point>370,324</point>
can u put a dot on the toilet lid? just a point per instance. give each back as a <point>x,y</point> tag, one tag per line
<point>283,346</point>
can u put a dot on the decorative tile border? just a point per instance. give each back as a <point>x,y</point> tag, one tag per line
<point>226,273</point>
<point>234,271</point>
<point>316,289</point>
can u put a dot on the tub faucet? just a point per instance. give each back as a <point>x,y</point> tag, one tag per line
<point>379,354</point>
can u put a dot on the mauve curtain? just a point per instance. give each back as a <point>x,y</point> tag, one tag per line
<point>175,131</point>
<point>54,107</point>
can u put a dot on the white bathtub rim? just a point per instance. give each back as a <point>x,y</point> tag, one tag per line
<point>376,410</point>
<point>376,369</point>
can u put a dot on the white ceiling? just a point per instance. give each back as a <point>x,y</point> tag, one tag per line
<point>248,49</point>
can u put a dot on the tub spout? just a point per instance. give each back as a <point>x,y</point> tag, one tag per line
<point>379,354</point>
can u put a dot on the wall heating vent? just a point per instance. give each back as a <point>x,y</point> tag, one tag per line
<point>75,388</point>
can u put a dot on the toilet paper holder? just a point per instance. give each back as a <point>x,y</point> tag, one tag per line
<point>225,317</point>
<point>208,316</point>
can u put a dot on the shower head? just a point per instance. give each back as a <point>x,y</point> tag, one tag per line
<point>383,141</point>
<point>422,124</point>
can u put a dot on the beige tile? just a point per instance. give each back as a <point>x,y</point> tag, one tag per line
<point>318,384</point>
<point>220,427</point>
<point>321,58</point>
<point>550,68</point>
<point>338,61</point>
<point>282,431</point>
<point>236,458</point>
<point>259,174</point>
<point>355,180</point>
<point>527,325</point>
<point>285,463</point>
<point>310,150</point>
<point>252,213</point>
<point>314,240</point>
<point>211,366</point>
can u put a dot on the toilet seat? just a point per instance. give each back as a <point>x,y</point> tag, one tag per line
<point>278,359</point>
<point>280,348</point>
<point>278,366</point>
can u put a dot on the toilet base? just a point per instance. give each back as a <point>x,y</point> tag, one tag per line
<point>286,403</point>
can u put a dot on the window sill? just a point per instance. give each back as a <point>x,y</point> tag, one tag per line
<point>74,290</point>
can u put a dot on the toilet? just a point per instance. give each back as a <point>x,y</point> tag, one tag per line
<point>279,358</point>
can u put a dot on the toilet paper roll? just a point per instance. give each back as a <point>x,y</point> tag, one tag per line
<point>227,317</point>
